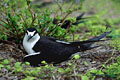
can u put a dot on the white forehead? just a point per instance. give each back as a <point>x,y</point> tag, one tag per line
<point>31,33</point>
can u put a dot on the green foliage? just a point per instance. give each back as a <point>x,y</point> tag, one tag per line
<point>116,43</point>
<point>85,77</point>
<point>76,56</point>
<point>6,61</point>
<point>44,62</point>
<point>111,71</point>
<point>116,1</point>
<point>29,78</point>
<point>1,66</point>
<point>9,67</point>
<point>18,67</point>
<point>27,63</point>
<point>42,72</point>
<point>19,16</point>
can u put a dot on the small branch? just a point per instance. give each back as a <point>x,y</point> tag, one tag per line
<point>4,22</point>
<point>59,6</point>
<point>68,30</point>
<point>3,31</point>
<point>52,30</point>
<point>68,13</point>
<point>33,20</point>
<point>24,20</point>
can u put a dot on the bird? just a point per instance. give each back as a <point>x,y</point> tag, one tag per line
<point>44,48</point>
<point>67,23</point>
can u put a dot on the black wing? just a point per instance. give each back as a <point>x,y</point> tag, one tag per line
<point>53,51</point>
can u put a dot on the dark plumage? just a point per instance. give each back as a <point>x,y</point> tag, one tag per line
<point>55,51</point>
<point>67,23</point>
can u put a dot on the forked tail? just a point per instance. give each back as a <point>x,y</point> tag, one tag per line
<point>86,45</point>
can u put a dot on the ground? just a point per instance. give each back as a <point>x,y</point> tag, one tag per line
<point>91,59</point>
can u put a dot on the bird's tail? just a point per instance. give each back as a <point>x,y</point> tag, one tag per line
<point>80,16</point>
<point>86,45</point>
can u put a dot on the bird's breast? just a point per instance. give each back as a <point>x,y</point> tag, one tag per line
<point>28,46</point>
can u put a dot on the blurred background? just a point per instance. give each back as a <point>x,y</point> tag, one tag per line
<point>95,17</point>
<point>107,8</point>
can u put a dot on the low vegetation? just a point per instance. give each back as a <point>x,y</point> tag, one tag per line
<point>16,16</point>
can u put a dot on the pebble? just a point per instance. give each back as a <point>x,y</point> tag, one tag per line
<point>93,62</point>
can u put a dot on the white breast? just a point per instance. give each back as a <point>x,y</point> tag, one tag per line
<point>28,45</point>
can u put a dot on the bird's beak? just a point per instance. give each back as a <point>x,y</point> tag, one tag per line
<point>29,37</point>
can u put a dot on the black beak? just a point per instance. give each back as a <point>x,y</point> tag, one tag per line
<point>29,37</point>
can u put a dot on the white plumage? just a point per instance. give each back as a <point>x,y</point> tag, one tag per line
<point>28,45</point>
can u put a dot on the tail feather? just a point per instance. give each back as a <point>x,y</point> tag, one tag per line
<point>80,16</point>
<point>76,23</point>
<point>99,37</point>
<point>86,45</point>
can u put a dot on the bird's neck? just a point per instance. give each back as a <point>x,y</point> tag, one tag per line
<point>34,40</point>
<point>28,45</point>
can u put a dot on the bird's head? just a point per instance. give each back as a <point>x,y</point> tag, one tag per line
<point>31,33</point>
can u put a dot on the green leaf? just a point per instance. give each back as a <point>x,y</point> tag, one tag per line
<point>61,70</point>
<point>29,78</point>
<point>94,71</point>
<point>6,61</point>
<point>17,64</point>
<point>1,65</point>
<point>46,66</point>
<point>27,63</point>
<point>69,10</point>
<point>85,62</point>
<point>11,59</point>
<point>112,75</point>
<point>76,56</point>
<point>84,77</point>
<point>5,37</point>
<point>67,70</point>
<point>9,67</point>
<point>103,65</point>
<point>44,62</point>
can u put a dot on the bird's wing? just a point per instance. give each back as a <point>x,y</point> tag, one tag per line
<point>52,49</point>
<point>58,41</point>
<point>48,41</point>
<point>72,43</point>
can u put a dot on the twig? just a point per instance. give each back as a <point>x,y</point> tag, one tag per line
<point>109,59</point>
<point>24,20</point>
<point>33,16</point>
<point>7,42</point>
<point>68,13</point>
<point>13,26</point>
<point>59,6</point>
<point>33,19</point>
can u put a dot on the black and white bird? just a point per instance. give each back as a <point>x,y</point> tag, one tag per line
<point>40,48</point>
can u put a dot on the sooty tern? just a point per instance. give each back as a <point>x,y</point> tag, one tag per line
<point>67,23</point>
<point>52,50</point>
